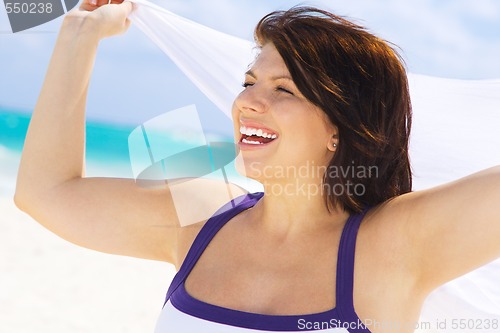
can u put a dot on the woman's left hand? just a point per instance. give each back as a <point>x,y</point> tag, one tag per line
<point>100,17</point>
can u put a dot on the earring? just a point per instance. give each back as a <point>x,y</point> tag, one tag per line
<point>332,147</point>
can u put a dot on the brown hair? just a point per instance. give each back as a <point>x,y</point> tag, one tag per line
<point>359,81</point>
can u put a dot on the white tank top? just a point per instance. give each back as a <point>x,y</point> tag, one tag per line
<point>183,313</point>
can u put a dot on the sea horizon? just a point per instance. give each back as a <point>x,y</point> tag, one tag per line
<point>106,147</point>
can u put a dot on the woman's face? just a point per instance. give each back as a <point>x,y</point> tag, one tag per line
<point>276,127</point>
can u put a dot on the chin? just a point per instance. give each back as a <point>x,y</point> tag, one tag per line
<point>258,169</point>
<point>247,168</point>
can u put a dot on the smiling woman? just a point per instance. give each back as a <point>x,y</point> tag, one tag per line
<point>322,94</point>
<point>358,81</point>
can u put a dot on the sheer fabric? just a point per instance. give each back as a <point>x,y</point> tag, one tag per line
<point>455,133</point>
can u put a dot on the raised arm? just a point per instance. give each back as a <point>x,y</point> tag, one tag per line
<point>106,214</point>
<point>455,228</point>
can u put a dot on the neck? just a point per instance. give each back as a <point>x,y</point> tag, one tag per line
<point>296,207</point>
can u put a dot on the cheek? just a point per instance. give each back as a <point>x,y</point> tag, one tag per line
<point>307,137</point>
<point>234,109</point>
<point>305,127</point>
<point>235,119</point>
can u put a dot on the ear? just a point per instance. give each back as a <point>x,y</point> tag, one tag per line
<point>332,133</point>
<point>332,143</point>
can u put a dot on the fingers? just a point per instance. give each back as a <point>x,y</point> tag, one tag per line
<point>109,19</point>
<point>91,5</point>
<point>127,6</point>
<point>99,3</point>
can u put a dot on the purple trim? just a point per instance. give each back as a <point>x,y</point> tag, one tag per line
<point>207,232</point>
<point>344,311</point>
<point>345,272</point>
<point>184,302</point>
<point>345,261</point>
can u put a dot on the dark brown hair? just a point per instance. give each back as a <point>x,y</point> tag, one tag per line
<point>359,81</point>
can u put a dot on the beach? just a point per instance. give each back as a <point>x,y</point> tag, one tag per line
<point>50,285</point>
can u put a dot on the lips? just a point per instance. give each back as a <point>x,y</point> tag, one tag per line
<point>256,135</point>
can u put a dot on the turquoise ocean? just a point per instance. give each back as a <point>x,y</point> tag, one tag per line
<point>106,148</point>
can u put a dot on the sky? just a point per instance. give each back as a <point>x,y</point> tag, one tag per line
<point>133,81</point>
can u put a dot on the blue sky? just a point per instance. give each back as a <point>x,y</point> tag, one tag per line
<point>134,81</point>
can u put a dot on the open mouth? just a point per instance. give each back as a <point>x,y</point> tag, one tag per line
<point>256,136</point>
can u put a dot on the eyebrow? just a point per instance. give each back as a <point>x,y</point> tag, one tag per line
<point>274,78</point>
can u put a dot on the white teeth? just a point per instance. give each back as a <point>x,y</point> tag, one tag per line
<point>251,142</point>
<point>258,132</point>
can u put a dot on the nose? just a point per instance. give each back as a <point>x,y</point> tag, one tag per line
<point>251,100</point>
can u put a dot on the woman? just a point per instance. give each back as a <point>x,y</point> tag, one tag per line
<point>344,244</point>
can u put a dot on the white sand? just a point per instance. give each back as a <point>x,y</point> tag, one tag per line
<point>48,285</point>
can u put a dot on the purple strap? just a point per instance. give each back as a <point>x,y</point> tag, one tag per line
<point>345,261</point>
<point>345,264</point>
<point>207,232</point>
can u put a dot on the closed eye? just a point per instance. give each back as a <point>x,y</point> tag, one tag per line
<point>279,88</point>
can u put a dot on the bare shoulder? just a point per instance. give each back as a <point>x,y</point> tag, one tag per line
<point>195,201</point>
<point>443,232</point>
<point>387,225</point>
<point>386,280</point>
<point>385,236</point>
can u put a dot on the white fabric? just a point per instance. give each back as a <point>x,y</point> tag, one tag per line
<point>174,321</point>
<point>455,133</point>
<point>214,61</point>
